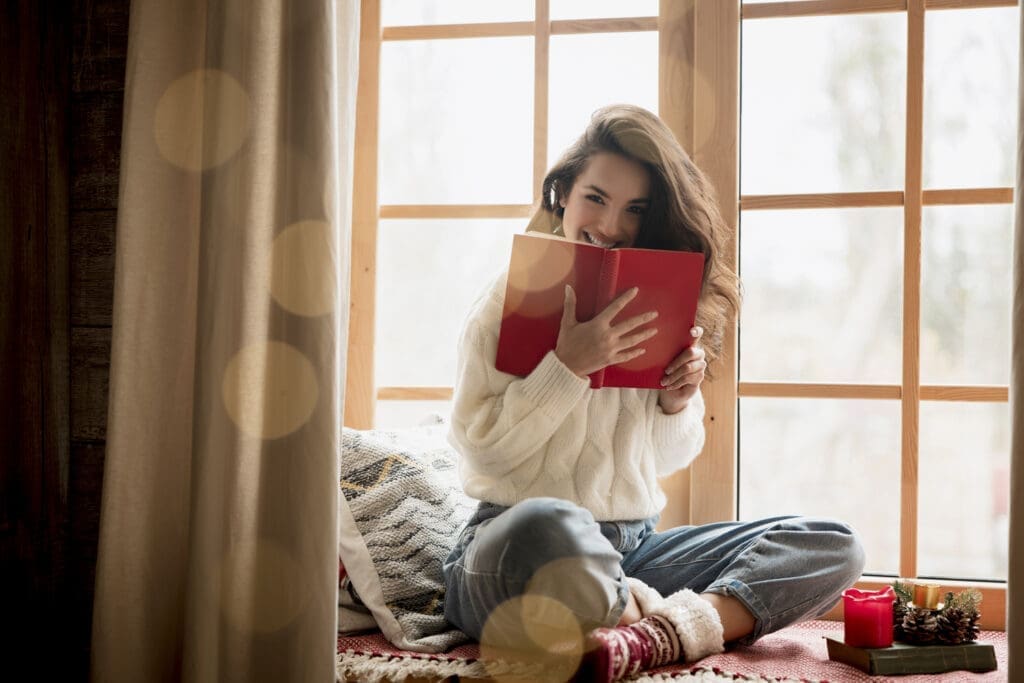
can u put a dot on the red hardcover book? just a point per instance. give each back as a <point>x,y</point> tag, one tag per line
<point>541,266</point>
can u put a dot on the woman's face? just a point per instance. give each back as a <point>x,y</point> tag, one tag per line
<point>607,202</point>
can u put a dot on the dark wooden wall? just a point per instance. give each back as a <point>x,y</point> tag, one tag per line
<point>34,58</point>
<point>99,45</point>
<point>62,67</point>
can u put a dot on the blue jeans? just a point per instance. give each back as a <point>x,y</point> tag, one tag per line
<point>783,569</point>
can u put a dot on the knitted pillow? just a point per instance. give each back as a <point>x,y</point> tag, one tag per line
<point>400,512</point>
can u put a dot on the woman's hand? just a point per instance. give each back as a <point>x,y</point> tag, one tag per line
<point>683,376</point>
<point>587,347</point>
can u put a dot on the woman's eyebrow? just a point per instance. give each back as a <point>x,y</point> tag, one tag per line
<point>639,200</point>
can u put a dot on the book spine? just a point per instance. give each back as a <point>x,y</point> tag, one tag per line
<point>934,659</point>
<point>606,284</point>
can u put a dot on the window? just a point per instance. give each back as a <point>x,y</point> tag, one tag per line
<point>467,126</point>
<point>869,179</point>
<point>875,244</point>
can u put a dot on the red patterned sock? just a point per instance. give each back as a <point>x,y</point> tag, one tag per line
<point>614,653</point>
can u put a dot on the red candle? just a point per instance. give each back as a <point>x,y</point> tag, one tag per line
<point>867,617</point>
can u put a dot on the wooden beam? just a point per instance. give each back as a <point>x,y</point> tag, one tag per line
<point>966,394</point>
<point>359,371</point>
<point>829,200</point>
<point>519,28</point>
<point>619,25</point>
<point>451,31</point>
<point>716,153</point>
<point>843,200</point>
<point>910,407</point>
<point>675,107</point>
<point>969,4</point>
<point>541,70</point>
<point>812,8</point>
<point>814,390</point>
<point>981,195</point>
<point>976,394</point>
<point>455,210</point>
<point>415,393</point>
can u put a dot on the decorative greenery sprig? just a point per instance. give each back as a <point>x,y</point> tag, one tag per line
<point>904,591</point>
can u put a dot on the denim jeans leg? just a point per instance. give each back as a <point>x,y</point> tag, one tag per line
<point>541,547</point>
<point>782,569</point>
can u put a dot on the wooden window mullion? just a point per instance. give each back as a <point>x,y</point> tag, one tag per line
<point>716,78</point>
<point>360,400</point>
<point>911,398</point>
<point>541,69</point>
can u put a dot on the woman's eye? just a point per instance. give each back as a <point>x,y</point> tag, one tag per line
<point>596,198</point>
<point>639,210</point>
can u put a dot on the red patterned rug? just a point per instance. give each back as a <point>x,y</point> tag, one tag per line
<point>794,654</point>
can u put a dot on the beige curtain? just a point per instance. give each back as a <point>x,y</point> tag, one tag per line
<point>1015,591</point>
<point>217,554</point>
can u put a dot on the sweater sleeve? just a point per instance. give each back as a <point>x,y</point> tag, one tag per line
<point>677,439</point>
<point>499,420</point>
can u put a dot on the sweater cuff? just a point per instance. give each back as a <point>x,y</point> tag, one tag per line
<point>670,430</point>
<point>553,387</point>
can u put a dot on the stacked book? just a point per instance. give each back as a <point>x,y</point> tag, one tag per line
<point>900,658</point>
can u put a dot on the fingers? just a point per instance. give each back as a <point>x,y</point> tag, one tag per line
<point>615,307</point>
<point>636,321</point>
<point>689,367</point>
<point>690,355</point>
<point>627,355</point>
<point>569,308</point>
<point>690,373</point>
<point>630,340</point>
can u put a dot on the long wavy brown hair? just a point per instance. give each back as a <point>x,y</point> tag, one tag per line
<point>683,211</point>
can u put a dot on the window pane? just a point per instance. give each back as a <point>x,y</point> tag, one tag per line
<point>590,71</point>
<point>602,9</point>
<point>966,265</point>
<point>970,124</point>
<point>429,272</point>
<point>414,12</point>
<point>823,101</point>
<point>821,295</point>
<point>404,414</point>
<point>963,490</point>
<point>456,121</point>
<point>826,458</point>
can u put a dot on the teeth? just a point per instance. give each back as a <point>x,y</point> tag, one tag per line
<point>594,240</point>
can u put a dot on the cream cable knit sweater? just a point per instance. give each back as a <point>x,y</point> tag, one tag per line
<point>550,434</point>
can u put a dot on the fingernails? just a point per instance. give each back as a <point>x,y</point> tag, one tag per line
<point>652,315</point>
<point>694,331</point>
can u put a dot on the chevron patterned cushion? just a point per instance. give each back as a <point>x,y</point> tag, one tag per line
<point>400,513</point>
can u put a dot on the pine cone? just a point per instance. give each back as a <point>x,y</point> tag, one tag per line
<point>919,626</point>
<point>899,610</point>
<point>956,626</point>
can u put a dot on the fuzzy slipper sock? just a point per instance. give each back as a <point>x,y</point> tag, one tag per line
<point>614,653</point>
<point>682,626</point>
<point>696,622</point>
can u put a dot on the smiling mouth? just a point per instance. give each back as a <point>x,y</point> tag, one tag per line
<point>593,240</point>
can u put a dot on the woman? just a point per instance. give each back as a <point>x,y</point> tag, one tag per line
<point>567,475</point>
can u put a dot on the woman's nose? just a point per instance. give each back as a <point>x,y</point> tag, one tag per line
<point>610,223</point>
